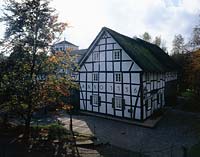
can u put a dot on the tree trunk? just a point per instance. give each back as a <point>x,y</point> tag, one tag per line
<point>71,124</point>
<point>73,136</point>
<point>27,127</point>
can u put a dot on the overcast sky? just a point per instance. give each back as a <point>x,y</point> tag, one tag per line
<point>129,17</point>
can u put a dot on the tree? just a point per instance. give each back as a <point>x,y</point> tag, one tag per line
<point>192,72</point>
<point>163,46</point>
<point>160,43</point>
<point>195,41</point>
<point>31,25</point>
<point>178,44</point>
<point>146,36</point>
<point>157,41</point>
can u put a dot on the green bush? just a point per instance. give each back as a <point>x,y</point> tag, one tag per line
<point>188,94</point>
<point>57,131</point>
<point>54,130</point>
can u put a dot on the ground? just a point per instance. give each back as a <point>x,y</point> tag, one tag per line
<point>176,132</point>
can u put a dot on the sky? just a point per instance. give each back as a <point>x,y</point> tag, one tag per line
<point>164,18</point>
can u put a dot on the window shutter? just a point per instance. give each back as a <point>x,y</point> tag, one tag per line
<point>99,101</point>
<point>113,102</point>
<point>123,104</point>
<point>90,99</point>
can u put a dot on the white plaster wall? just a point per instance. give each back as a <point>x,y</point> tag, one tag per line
<point>102,66</point>
<point>126,65</point>
<point>102,56</point>
<point>82,76</point>
<point>102,77</point>
<point>126,77</point>
<point>138,113</point>
<point>88,67</point>
<point>135,78</point>
<point>127,89</point>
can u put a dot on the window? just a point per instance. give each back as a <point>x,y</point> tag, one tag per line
<point>116,55</point>
<point>96,77</point>
<point>95,56</point>
<point>118,103</point>
<point>118,77</point>
<point>95,100</point>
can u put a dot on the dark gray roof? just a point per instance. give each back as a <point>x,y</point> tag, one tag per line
<point>64,42</point>
<point>78,52</point>
<point>148,56</point>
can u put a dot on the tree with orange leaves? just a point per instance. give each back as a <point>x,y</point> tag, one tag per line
<point>59,83</point>
<point>192,71</point>
<point>31,26</point>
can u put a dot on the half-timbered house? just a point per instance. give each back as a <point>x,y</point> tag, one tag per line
<point>125,77</point>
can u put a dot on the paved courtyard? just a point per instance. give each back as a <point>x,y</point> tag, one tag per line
<point>175,130</point>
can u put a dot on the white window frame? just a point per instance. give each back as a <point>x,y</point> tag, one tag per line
<point>95,100</point>
<point>95,56</point>
<point>95,77</point>
<point>116,54</point>
<point>118,103</point>
<point>118,77</point>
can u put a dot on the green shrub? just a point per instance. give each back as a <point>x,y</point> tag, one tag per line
<point>57,131</point>
<point>188,94</point>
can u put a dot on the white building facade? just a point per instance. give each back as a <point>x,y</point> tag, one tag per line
<point>64,46</point>
<point>112,81</point>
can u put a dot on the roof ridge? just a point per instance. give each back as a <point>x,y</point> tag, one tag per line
<point>106,28</point>
<point>147,56</point>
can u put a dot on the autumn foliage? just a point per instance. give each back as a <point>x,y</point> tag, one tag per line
<point>56,88</point>
<point>192,71</point>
